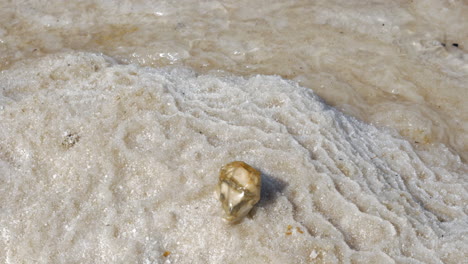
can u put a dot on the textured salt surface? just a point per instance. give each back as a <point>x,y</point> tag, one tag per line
<point>390,63</point>
<point>109,163</point>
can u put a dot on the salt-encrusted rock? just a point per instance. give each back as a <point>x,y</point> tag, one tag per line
<point>239,189</point>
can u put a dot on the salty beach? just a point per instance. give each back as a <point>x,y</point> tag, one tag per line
<point>115,119</point>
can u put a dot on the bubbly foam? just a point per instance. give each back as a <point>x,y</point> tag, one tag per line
<point>111,163</point>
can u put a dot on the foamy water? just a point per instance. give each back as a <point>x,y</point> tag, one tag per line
<point>113,159</point>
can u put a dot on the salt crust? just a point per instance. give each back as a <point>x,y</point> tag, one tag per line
<point>109,163</point>
<point>399,64</point>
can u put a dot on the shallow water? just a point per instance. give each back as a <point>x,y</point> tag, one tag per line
<point>109,158</point>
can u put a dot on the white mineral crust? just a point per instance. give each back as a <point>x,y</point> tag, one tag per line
<point>108,163</point>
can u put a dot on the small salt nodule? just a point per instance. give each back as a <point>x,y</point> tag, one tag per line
<point>238,189</point>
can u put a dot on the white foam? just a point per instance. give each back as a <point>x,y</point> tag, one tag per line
<point>110,163</point>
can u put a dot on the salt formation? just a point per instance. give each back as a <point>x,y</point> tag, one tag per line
<point>108,163</point>
<point>400,64</point>
<point>238,190</point>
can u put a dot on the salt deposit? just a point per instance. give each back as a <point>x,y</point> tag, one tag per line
<point>109,156</point>
<point>401,64</point>
<point>111,163</point>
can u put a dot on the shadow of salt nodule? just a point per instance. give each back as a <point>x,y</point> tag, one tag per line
<point>272,187</point>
